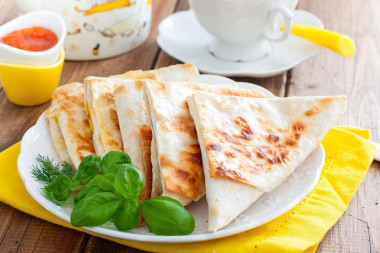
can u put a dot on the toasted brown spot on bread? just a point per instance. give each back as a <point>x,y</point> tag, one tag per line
<point>230,138</point>
<point>272,155</point>
<point>148,75</point>
<point>113,143</point>
<point>159,87</point>
<point>183,174</point>
<point>184,179</point>
<point>129,112</point>
<point>84,143</point>
<point>180,123</point>
<point>121,89</point>
<point>313,111</point>
<point>240,150</point>
<point>273,138</point>
<point>223,169</point>
<point>214,147</point>
<point>139,85</point>
<point>192,155</point>
<point>255,108</point>
<point>108,96</point>
<point>230,154</point>
<point>246,131</point>
<point>114,118</point>
<point>298,126</point>
<point>290,141</point>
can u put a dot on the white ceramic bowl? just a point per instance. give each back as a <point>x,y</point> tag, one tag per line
<point>46,19</point>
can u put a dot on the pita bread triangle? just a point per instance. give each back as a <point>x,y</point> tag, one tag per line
<point>176,158</point>
<point>69,124</point>
<point>250,146</point>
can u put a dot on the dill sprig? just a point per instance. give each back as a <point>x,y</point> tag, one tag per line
<point>46,171</point>
<point>67,169</point>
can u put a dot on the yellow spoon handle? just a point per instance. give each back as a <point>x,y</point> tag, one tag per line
<point>339,43</point>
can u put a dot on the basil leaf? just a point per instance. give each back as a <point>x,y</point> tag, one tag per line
<point>107,182</point>
<point>129,181</point>
<point>95,180</point>
<point>85,192</point>
<point>114,158</point>
<point>127,216</point>
<point>95,210</point>
<point>166,216</point>
<point>88,168</point>
<point>60,189</point>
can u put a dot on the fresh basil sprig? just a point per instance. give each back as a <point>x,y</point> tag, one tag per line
<point>110,189</point>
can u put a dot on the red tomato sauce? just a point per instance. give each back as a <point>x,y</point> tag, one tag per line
<point>31,39</point>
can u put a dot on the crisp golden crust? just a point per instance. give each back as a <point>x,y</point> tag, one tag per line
<point>146,140</point>
<point>263,140</point>
<point>68,110</point>
<point>185,178</point>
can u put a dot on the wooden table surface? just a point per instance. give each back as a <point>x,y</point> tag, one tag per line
<point>358,230</point>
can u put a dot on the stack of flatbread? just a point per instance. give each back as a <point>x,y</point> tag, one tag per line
<point>190,139</point>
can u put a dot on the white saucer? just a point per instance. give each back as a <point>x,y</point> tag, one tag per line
<point>182,37</point>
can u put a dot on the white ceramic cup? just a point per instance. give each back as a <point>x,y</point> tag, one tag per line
<point>243,30</point>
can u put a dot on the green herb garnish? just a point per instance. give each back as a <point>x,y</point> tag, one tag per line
<point>112,185</point>
<point>47,170</point>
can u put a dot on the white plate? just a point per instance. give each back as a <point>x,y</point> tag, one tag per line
<point>269,206</point>
<point>182,37</point>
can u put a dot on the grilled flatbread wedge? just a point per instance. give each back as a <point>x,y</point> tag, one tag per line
<point>134,129</point>
<point>100,103</point>
<point>250,146</point>
<point>69,124</point>
<point>176,158</point>
<point>179,72</point>
<point>100,106</point>
<point>136,135</point>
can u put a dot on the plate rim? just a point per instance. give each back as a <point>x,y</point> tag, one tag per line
<point>157,238</point>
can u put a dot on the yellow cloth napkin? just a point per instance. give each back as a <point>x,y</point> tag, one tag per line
<point>348,156</point>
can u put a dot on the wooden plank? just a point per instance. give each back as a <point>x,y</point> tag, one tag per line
<point>96,244</point>
<point>55,238</point>
<point>6,213</point>
<point>31,236</point>
<point>15,233</point>
<point>328,74</point>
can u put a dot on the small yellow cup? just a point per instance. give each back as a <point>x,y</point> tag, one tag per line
<point>30,85</point>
